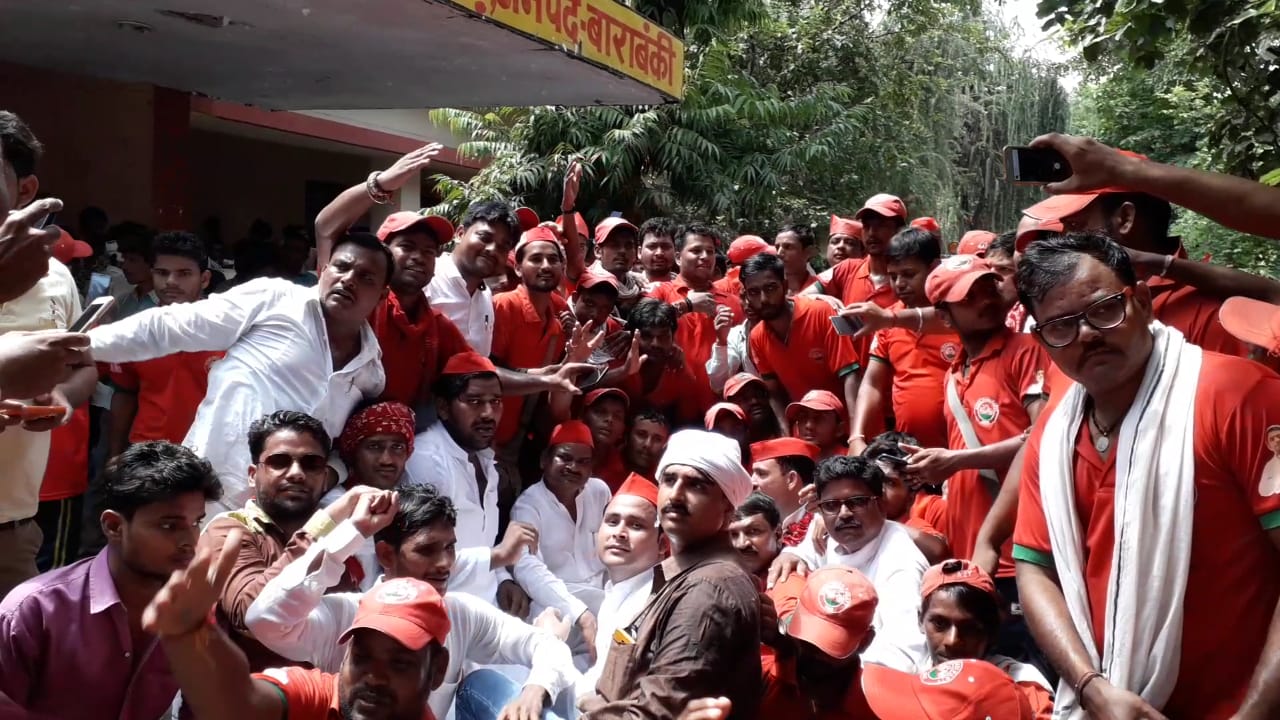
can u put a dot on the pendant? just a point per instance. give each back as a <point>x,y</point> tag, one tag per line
<point>1102,443</point>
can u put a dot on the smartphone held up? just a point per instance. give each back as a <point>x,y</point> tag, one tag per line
<point>1034,166</point>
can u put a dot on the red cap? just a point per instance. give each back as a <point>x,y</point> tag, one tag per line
<point>883,204</point>
<point>845,226</point>
<point>401,221</point>
<point>951,280</point>
<point>784,447</point>
<point>927,224</point>
<point>735,384</point>
<point>956,572</point>
<point>1054,209</point>
<point>572,432</point>
<point>1252,321</point>
<point>821,400</point>
<point>608,225</point>
<point>953,690</point>
<point>745,247</point>
<point>1030,228</point>
<point>407,610</point>
<point>467,363</point>
<point>639,486</point>
<point>714,411</point>
<point>68,248</point>
<point>590,279</point>
<point>541,233</point>
<point>583,231</point>
<point>594,396</point>
<point>975,242</point>
<point>834,611</point>
<point>527,218</point>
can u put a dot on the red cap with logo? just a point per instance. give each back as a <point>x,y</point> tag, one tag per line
<point>845,226</point>
<point>722,407</point>
<point>467,363</point>
<point>735,384</point>
<point>527,218</point>
<point>927,224</point>
<point>67,248</point>
<point>572,432</point>
<point>975,242</point>
<point>784,447</point>
<point>883,204</point>
<point>608,225</point>
<point>745,247</point>
<point>583,231</point>
<point>407,610</point>
<point>821,400</point>
<point>953,690</point>
<point>639,486</point>
<point>1252,321</point>
<point>951,280</point>
<point>956,572</point>
<point>399,222</point>
<point>596,395</point>
<point>835,611</point>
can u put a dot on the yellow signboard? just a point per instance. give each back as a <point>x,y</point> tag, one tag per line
<point>600,30</point>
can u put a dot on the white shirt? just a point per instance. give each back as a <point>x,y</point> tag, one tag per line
<point>471,312</point>
<point>622,603</point>
<point>439,461</point>
<point>895,566</point>
<point>729,359</point>
<point>53,303</point>
<point>293,617</point>
<point>278,358</point>
<point>566,572</point>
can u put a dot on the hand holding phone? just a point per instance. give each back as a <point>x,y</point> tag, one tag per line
<point>33,412</point>
<point>92,314</point>
<point>846,326</point>
<point>1035,165</point>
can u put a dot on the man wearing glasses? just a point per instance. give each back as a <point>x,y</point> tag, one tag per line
<point>851,501</point>
<point>289,451</point>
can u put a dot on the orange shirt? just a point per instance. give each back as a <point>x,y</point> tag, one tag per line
<point>1009,369</point>
<point>920,363</point>
<point>682,393</point>
<point>66,474</point>
<point>850,280</point>
<point>310,694</point>
<point>1194,314</point>
<point>783,698</point>
<point>1234,579</point>
<point>928,513</point>
<point>522,339</point>
<point>413,352</point>
<point>612,471</point>
<point>813,357</point>
<point>696,332</point>
<point>169,389</point>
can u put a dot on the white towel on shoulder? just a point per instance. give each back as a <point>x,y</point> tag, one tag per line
<point>1154,501</point>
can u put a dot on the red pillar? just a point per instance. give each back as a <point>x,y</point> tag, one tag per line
<point>171,159</point>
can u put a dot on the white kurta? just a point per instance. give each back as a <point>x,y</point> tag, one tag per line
<point>439,461</point>
<point>471,312</point>
<point>895,566</point>
<point>293,617</point>
<point>622,603</point>
<point>566,572</point>
<point>278,358</point>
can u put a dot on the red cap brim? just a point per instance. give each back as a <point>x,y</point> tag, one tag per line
<point>407,633</point>
<point>1252,321</point>
<point>832,639</point>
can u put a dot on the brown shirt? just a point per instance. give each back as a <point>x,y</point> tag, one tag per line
<point>699,636</point>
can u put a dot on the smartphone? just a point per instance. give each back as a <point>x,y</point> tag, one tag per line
<point>846,326</point>
<point>1034,166</point>
<point>46,221</point>
<point>34,412</point>
<point>92,315</point>
<point>895,460</point>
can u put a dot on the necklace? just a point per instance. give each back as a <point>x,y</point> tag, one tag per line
<point>1102,443</point>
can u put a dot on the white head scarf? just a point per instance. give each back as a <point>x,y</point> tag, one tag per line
<point>714,454</point>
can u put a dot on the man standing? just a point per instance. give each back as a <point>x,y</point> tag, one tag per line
<point>797,247</point>
<point>604,411</point>
<point>658,251</point>
<point>781,469</point>
<point>819,418</point>
<point>646,441</point>
<point>755,534</point>
<point>750,393</point>
<point>616,244</point>
<point>703,626</point>
<point>1175,438</point>
<point>668,379</point>
<point>488,231</point>
<point>287,347</point>
<point>136,258</point>
<point>844,241</point>
<point>694,297</point>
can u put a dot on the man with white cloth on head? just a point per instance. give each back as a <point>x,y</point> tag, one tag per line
<point>1146,553</point>
<point>850,492</point>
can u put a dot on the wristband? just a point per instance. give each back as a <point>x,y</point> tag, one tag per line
<point>688,306</point>
<point>375,191</point>
<point>1168,260</point>
<point>1083,683</point>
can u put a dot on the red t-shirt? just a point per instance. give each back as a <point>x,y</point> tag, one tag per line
<point>783,699</point>
<point>1008,371</point>
<point>813,357</point>
<point>696,332</point>
<point>170,389</point>
<point>522,339</point>
<point>1234,578</point>
<point>310,694</point>
<point>66,474</point>
<point>920,363</point>
<point>928,513</point>
<point>682,393</point>
<point>1194,314</point>
<point>850,280</point>
<point>413,352</point>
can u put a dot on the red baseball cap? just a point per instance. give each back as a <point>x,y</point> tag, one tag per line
<point>927,224</point>
<point>714,411</point>
<point>467,363</point>
<point>583,231</point>
<point>407,610</point>
<point>67,248</point>
<point>1057,207</point>
<point>784,447</point>
<point>402,221</point>
<point>883,204</point>
<point>572,432</point>
<point>821,400</point>
<point>953,690</point>
<point>745,247</point>
<point>951,280</point>
<point>845,226</point>
<point>608,225</point>
<point>594,396</point>
<point>834,611</point>
<point>1030,228</point>
<point>735,384</point>
<point>591,279</point>
<point>956,572</point>
<point>975,242</point>
<point>639,486</point>
<point>541,233</point>
<point>1252,321</point>
<point>527,218</point>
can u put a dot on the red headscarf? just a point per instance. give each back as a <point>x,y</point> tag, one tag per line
<point>384,418</point>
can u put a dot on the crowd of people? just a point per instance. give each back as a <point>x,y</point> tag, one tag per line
<point>509,468</point>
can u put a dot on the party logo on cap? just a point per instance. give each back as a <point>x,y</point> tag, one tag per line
<point>986,411</point>
<point>942,674</point>
<point>834,597</point>
<point>958,262</point>
<point>394,593</point>
<point>949,351</point>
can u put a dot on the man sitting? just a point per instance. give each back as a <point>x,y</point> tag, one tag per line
<point>920,512</point>
<point>781,468</point>
<point>646,441</point>
<point>754,532</point>
<point>819,418</point>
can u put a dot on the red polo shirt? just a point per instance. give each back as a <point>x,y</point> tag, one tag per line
<point>696,332</point>
<point>310,694</point>
<point>1234,579</point>
<point>783,699</point>
<point>413,352</point>
<point>1008,371</point>
<point>169,388</point>
<point>812,357</point>
<point>1194,314</point>
<point>920,362</point>
<point>522,339</point>
<point>850,280</point>
<point>928,513</point>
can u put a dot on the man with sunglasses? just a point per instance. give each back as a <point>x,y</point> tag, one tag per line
<point>290,453</point>
<point>851,503</point>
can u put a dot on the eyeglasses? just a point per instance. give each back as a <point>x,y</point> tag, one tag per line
<point>1104,314</point>
<point>857,503</point>
<point>281,462</point>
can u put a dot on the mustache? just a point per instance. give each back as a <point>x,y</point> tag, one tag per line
<point>848,525</point>
<point>678,508</point>
<point>373,696</point>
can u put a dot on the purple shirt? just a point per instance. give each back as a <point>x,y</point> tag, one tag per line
<point>66,650</point>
